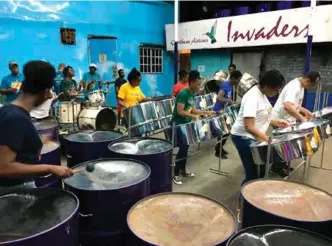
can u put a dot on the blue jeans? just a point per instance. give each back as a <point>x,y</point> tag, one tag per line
<point>181,156</point>
<point>242,145</point>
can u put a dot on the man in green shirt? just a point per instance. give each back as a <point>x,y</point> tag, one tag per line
<point>68,84</point>
<point>184,112</point>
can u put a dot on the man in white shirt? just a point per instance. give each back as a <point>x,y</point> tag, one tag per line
<point>43,111</point>
<point>289,104</point>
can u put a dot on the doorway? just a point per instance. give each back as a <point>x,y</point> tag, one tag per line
<point>103,52</point>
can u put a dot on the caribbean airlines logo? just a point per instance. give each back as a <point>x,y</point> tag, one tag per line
<point>210,37</point>
<point>212,33</point>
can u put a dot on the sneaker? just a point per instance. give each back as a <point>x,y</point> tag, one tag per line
<point>225,152</point>
<point>177,180</point>
<point>187,175</point>
<point>280,172</point>
<point>222,156</point>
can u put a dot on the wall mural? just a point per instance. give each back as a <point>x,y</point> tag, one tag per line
<point>31,30</point>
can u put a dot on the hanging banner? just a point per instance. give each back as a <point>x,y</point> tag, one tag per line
<point>269,28</point>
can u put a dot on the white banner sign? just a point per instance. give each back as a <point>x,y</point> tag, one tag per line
<point>270,28</point>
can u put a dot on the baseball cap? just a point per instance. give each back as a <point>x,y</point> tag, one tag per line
<point>93,65</point>
<point>12,63</point>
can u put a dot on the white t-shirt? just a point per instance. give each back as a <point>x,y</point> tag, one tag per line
<point>293,92</point>
<point>256,105</point>
<point>43,110</point>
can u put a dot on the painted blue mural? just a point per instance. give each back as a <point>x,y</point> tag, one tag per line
<point>212,61</point>
<point>31,30</point>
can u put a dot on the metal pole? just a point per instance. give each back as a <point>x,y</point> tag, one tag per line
<point>129,121</point>
<point>176,39</point>
<point>268,159</point>
<point>309,43</point>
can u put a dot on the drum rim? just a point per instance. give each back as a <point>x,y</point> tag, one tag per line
<point>54,227</point>
<point>57,142</point>
<point>236,224</point>
<point>71,141</point>
<point>110,159</point>
<point>323,121</point>
<point>51,125</point>
<point>289,181</point>
<point>276,226</point>
<point>140,138</point>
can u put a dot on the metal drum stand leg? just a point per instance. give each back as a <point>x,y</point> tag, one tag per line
<point>219,171</point>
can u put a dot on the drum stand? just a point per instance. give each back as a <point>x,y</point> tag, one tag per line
<point>219,171</point>
<point>269,162</point>
<point>319,109</point>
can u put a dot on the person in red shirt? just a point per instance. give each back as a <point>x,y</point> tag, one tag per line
<point>182,84</point>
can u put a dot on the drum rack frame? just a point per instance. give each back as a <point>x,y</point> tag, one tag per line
<point>269,163</point>
<point>130,127</point>
<point>318,108</point>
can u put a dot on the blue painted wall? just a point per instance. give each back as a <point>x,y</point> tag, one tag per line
<point>31,30</point>
<point>213,60</point>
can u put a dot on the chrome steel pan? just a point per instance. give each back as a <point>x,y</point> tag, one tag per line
<point>288,147</point>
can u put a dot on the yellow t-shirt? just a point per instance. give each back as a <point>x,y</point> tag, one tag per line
<point>130,95</point>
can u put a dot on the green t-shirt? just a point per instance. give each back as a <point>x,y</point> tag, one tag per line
<point>68,85</point>
<point>185,97</point>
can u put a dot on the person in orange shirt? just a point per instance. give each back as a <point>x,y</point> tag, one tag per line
<point>130,93</point>
<point>182,84</point>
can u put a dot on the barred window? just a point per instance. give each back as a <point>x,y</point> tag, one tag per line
<point>151,60</point>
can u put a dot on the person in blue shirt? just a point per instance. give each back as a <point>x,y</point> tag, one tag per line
<point>11,84</point>
<point>92,80</point>
<point>58,78</point>
<point>224,98</point>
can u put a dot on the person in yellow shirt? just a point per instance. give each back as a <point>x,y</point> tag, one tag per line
<point>130,94</point>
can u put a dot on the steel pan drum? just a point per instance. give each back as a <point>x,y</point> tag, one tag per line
<point>88,145</point>
<point>288,147</point>
<point>106,195</point>
<point>180,219</point>
<point>202,130</point>
<point>50,154</point>
<point>156,153</point>
<point>325,113</point>
<point>33,217</point>
<point>165,111</point>
<point>143,115</point>
<point>320,128</point>
<point>209,98</point>
<point>246,83</point>
<point>277,235</point>
<point>200,102</point>
<point>232,112</point>
<point>287,203</point>
<point>47,131</point>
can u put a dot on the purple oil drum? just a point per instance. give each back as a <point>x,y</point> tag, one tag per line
<point>50,154</point>
<point>177,218</point>
<point>35,217</point>
<point>47,131</point>
<point>106,194</point>
<point>289,203</point>
<point>156,153</point>
<point>88,145</point>
<point>277,235</point>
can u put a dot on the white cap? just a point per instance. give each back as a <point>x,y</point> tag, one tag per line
<point>93,65</point>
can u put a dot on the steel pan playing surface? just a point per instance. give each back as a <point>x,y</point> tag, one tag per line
<point>156,153</point>
<point>181,219</point>
<point>288,203</point>
<point>276,235</point>
<point>109,174</point>
<point>27,214</point>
